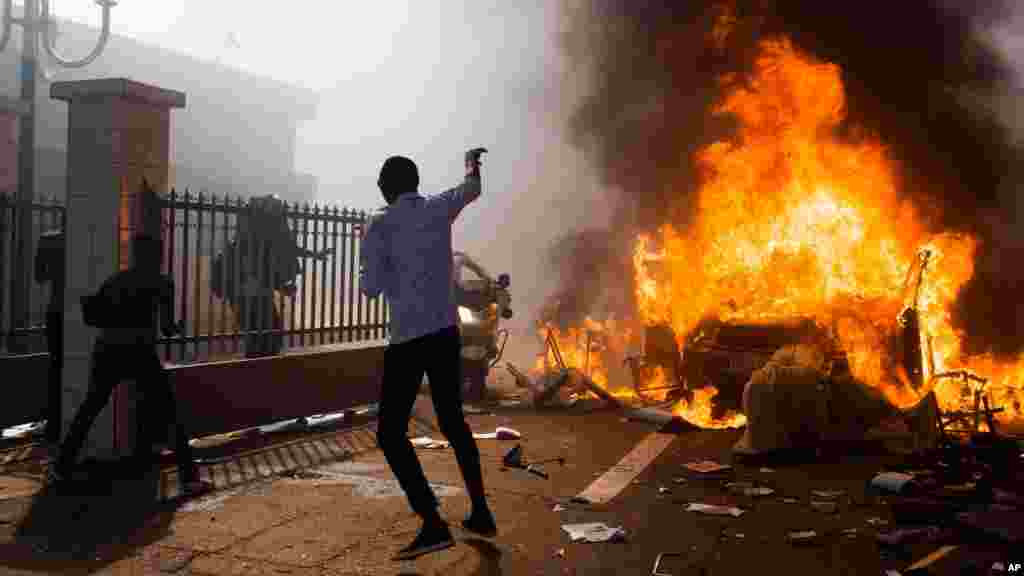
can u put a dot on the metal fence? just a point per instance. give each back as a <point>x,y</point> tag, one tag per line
<point>325,307</point>
<point>24,331</point>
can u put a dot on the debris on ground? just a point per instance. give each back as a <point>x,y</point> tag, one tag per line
<point>904,535</point>
<point>825,507</point>
<point>656,571</point>
<point>500,433</point>
<point>748,489</point>
<point>429,443</point>
<point>706,466</point>
<point>892,482</point>
<point>594,532</point>
<point>802,537</point>
<point>828,494</point>
<point>931,558</point>
<point>714,509</point>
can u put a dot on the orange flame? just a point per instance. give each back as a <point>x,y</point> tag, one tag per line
<point>794,221</point>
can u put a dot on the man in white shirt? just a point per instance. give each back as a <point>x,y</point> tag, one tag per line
<point>406,255</point>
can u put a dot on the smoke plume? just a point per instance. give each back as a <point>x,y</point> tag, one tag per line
<point>914,72</point>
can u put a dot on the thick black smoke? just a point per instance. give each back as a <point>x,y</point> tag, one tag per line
<point>910,67</point>
<point>585,262</point>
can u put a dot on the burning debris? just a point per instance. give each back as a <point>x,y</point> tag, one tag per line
<point>806,215</point>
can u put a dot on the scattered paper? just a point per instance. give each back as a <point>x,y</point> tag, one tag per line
<point>500,433</point>
<point>828,494</point>
<point>706,466</point>
<point>593,532</point>
<point>714,509</point>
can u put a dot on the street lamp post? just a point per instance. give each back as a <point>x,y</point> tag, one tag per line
<point>36,25</point>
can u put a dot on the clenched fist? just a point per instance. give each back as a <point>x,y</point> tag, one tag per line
<point>473,162</point>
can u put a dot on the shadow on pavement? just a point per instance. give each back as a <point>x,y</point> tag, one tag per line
<point>490,556</point>
<point>83,526</point>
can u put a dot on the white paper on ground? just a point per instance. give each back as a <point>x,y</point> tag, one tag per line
<point>593,532</point>
<point>714,509</point>
<point>500,433</point>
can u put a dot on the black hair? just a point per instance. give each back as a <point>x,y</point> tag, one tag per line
<point>398,175</point>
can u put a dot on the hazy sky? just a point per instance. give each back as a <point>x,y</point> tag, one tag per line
<point>427,79</point>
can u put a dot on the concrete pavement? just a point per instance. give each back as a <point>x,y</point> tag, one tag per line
<point>346,516</point>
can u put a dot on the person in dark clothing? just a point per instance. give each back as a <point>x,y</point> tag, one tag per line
<point>49,266</point>
<point>406,254</point>
<point>127,309</point>
<point>269,260</point>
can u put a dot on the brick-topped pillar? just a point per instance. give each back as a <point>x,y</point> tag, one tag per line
<point>118,137</point>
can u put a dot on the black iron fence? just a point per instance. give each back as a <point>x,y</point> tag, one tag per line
<point>257,279</point>
<point>23,301</point>
<point>242,285</point>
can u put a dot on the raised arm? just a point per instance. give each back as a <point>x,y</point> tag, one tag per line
<point>460,196</point>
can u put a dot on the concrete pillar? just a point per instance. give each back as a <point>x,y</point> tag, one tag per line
<point>10,110</point>
<point>118,137</point>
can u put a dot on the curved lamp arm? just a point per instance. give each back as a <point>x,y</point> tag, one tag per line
<point>8,20</point>
<point>49,42</point>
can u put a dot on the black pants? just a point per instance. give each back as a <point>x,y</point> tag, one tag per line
<point>158,407</point>
<point>439,355</point>
<point>260,313</point>
<point>54,394</point>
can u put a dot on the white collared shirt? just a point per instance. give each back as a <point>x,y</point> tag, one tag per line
<point>406,255</point>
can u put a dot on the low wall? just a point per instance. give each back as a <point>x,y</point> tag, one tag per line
<point>23,388</point>
<point>218,397</point>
